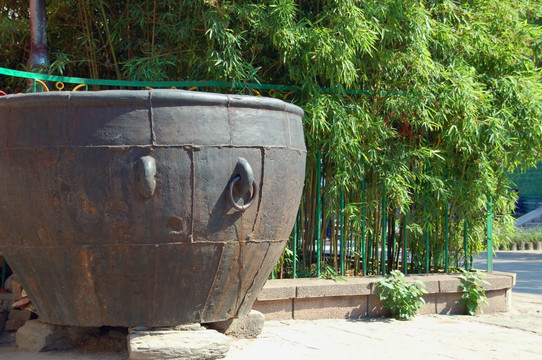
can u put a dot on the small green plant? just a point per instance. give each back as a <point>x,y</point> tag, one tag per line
<point>474,294</point>
<point>403,299</point>
<point>329,272</point>
<point>283,268</point>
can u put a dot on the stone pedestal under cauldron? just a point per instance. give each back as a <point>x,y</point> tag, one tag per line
<point>146,208</point>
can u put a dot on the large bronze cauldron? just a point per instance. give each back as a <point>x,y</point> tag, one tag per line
<point>151,208</point>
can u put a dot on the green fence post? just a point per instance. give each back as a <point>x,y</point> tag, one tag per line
<point>351,248</point>
<point>384,232</point>
<point>405,233</point>
<point>341,235</point>
<point>426,238</point>
<point>294,263</point>
<point>405,242</point>
<point>466,243</point>
<point>426,225</point>
<point>447,238</point>
<point>490,235</point>
<point>363,236</point>
<point>318,213</point>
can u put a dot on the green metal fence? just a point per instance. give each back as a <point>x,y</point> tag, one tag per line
<point>362,253</point>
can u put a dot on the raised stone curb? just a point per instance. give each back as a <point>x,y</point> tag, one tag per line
<point>311,299</point>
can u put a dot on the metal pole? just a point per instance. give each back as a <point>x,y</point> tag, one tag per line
<point>350,249</point>
<point>426,226</point>
<point>405,243</point>
<point>294,270</point>
<point>341,236</point>
<point>426,237</point>
<point>384,232</point>
<point>447,238</point>
<point>363,237</point>
<point>490,235</point>
<point>466,243</point>
<point>405,233</point>
<point>38,38</point>
<point>318,213</point>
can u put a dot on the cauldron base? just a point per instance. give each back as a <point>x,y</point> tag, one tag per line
<point>179,342</point>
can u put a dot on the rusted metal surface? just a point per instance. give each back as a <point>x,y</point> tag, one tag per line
<point>115,206</point>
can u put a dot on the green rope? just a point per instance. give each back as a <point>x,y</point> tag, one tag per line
<point>179,84</point>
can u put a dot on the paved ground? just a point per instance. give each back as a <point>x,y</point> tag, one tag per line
<point>513,335</point>
<point>526,264</point>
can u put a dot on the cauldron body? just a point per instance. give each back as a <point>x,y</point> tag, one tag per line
<point>115,209</point>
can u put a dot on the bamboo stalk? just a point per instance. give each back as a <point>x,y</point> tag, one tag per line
<point>108,35</point>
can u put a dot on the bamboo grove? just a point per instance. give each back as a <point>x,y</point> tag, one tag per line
<point>415,111</point>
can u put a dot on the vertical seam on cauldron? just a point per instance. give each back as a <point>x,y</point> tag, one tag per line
<point>239,277</point>
<point>203,316</point>
<point>192,190</point>
<point>260,191</point>
<point>230,124</point>
<point>251,286</point>
<point>69,122</point>
<point>151,123</point>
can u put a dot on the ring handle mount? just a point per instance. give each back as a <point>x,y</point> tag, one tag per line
<point>146,173</point>
<point>244,171</point>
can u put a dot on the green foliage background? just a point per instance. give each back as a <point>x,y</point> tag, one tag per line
<point>452,101</point>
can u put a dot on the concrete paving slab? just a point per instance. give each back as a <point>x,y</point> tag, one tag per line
<point>427,337</point>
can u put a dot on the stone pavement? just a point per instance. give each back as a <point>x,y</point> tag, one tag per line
<point>513,335</point>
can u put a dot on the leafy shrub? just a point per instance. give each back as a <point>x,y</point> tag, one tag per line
<point>474,294</point>
<point>403,299</point>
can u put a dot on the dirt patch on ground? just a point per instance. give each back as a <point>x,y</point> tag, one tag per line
<point>105,340</point>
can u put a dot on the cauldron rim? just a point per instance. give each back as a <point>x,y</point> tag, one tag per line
<point>153,97</point>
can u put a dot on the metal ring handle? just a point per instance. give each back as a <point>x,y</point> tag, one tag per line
<point>232,200</point>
